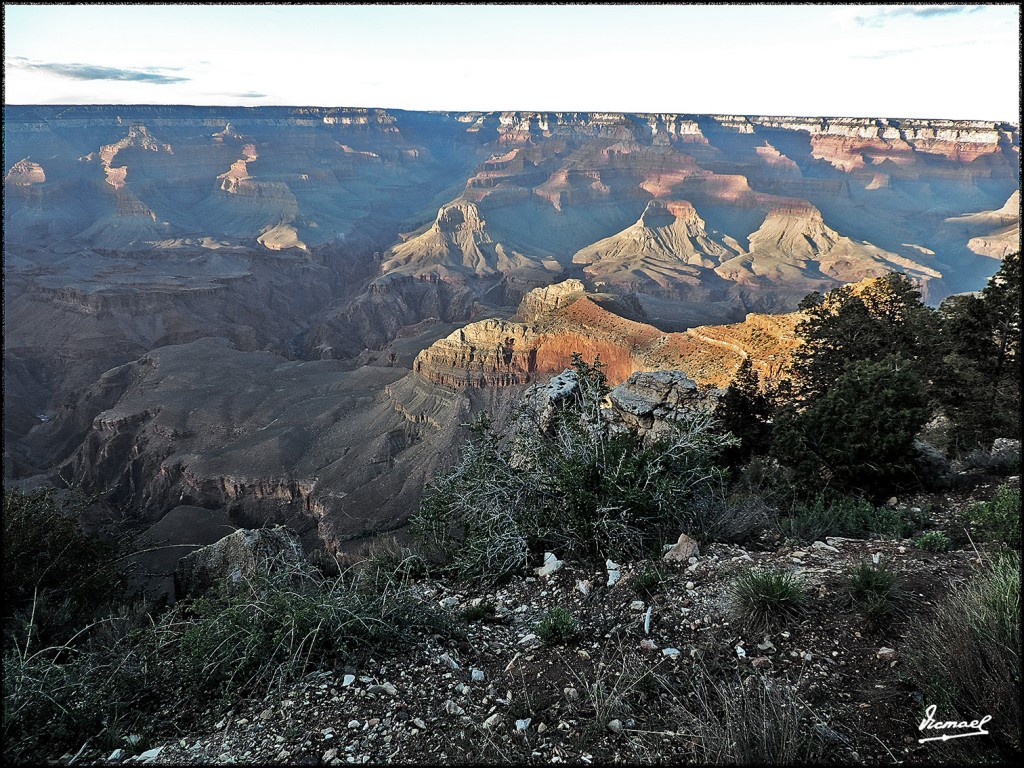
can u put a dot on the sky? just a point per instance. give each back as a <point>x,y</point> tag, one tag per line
<point>925,61</point>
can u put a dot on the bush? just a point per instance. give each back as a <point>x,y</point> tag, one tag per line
<point>967,658</point>
<point>270,628</point>
<point>830,515</point>
<point>569,482</point>
<point>273,627</point>
<point>875,590</point>
<point>999,519</point>
<point>752,721</point>
<point>933,541</point>
<point>859,434</point>
<point>58,697</point>
<point>387,560</point>
<point>57,578</point>
<point>556,626</point>
<point>764,598</point>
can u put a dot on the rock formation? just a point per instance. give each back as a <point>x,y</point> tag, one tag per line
<point>999,230</point>
<point>218,308</point>
<point>497,352</point>
<point>668,246</point>
<point>239,555</point>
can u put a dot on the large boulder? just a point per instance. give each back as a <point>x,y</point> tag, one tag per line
<point>648,401</point>
<point>240,555</point>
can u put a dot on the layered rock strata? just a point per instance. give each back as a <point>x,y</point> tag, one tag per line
<point>496,352</point>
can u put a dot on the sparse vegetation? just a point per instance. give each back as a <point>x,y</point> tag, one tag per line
<point>999,519</point>
<point>646,582</point>
<point>875,590</point>
<point>483,611</point>
<point>568,482</point>
<point>556,626</point>
<point>933,541</point>
<point>277,625</point>
<point>257,632</point>
<point>967,658</point>
<point>766,598</point>
<point>720,712</point>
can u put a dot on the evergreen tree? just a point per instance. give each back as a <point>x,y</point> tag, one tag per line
<point>858,436</point>
<point>883,319</point>
<point>745,411</point>
<point>978,382</point>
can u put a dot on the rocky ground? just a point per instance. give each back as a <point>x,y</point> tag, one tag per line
<point>644,678</point>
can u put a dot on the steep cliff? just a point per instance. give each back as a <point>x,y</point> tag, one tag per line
<point>332,450</point>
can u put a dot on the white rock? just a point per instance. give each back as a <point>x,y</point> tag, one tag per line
<point>636,605</point>
<point>886,654</point>
<point>615,726</point>
<point>419,723</point>
<point>551,564</point>
<point>522,725</point>
<point>493,721</point>
<point>669,651</point>
<point>583,586</point>
<point>477,675</point>
<point>451,663</point>
<point>347,680</point>
<point>613,572</point>
<point>453,709</point>
<point>740,652</point>
<point>150,754</point>
<point>529,639</point>
<point>116,754</point>
<point>823,546</point>
<point>647,620</point>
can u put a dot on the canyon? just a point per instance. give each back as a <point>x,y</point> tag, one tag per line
<point>288,315</point>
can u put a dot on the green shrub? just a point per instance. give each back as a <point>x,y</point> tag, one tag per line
<point>967,658</point>
<point>857,436</point>
<point>933,541</point>
<point>830,515</point>
<point>567,481</point>
<point>765,598</point>
<point>275,626</point>
<point>58,697</point>
<point>556,626</point>
<point>875,590</point>
<point>56,577</point>
<point>647,581</point>
<point>999,519</point>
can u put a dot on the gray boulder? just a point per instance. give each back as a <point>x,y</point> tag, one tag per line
<point>239,555</point>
